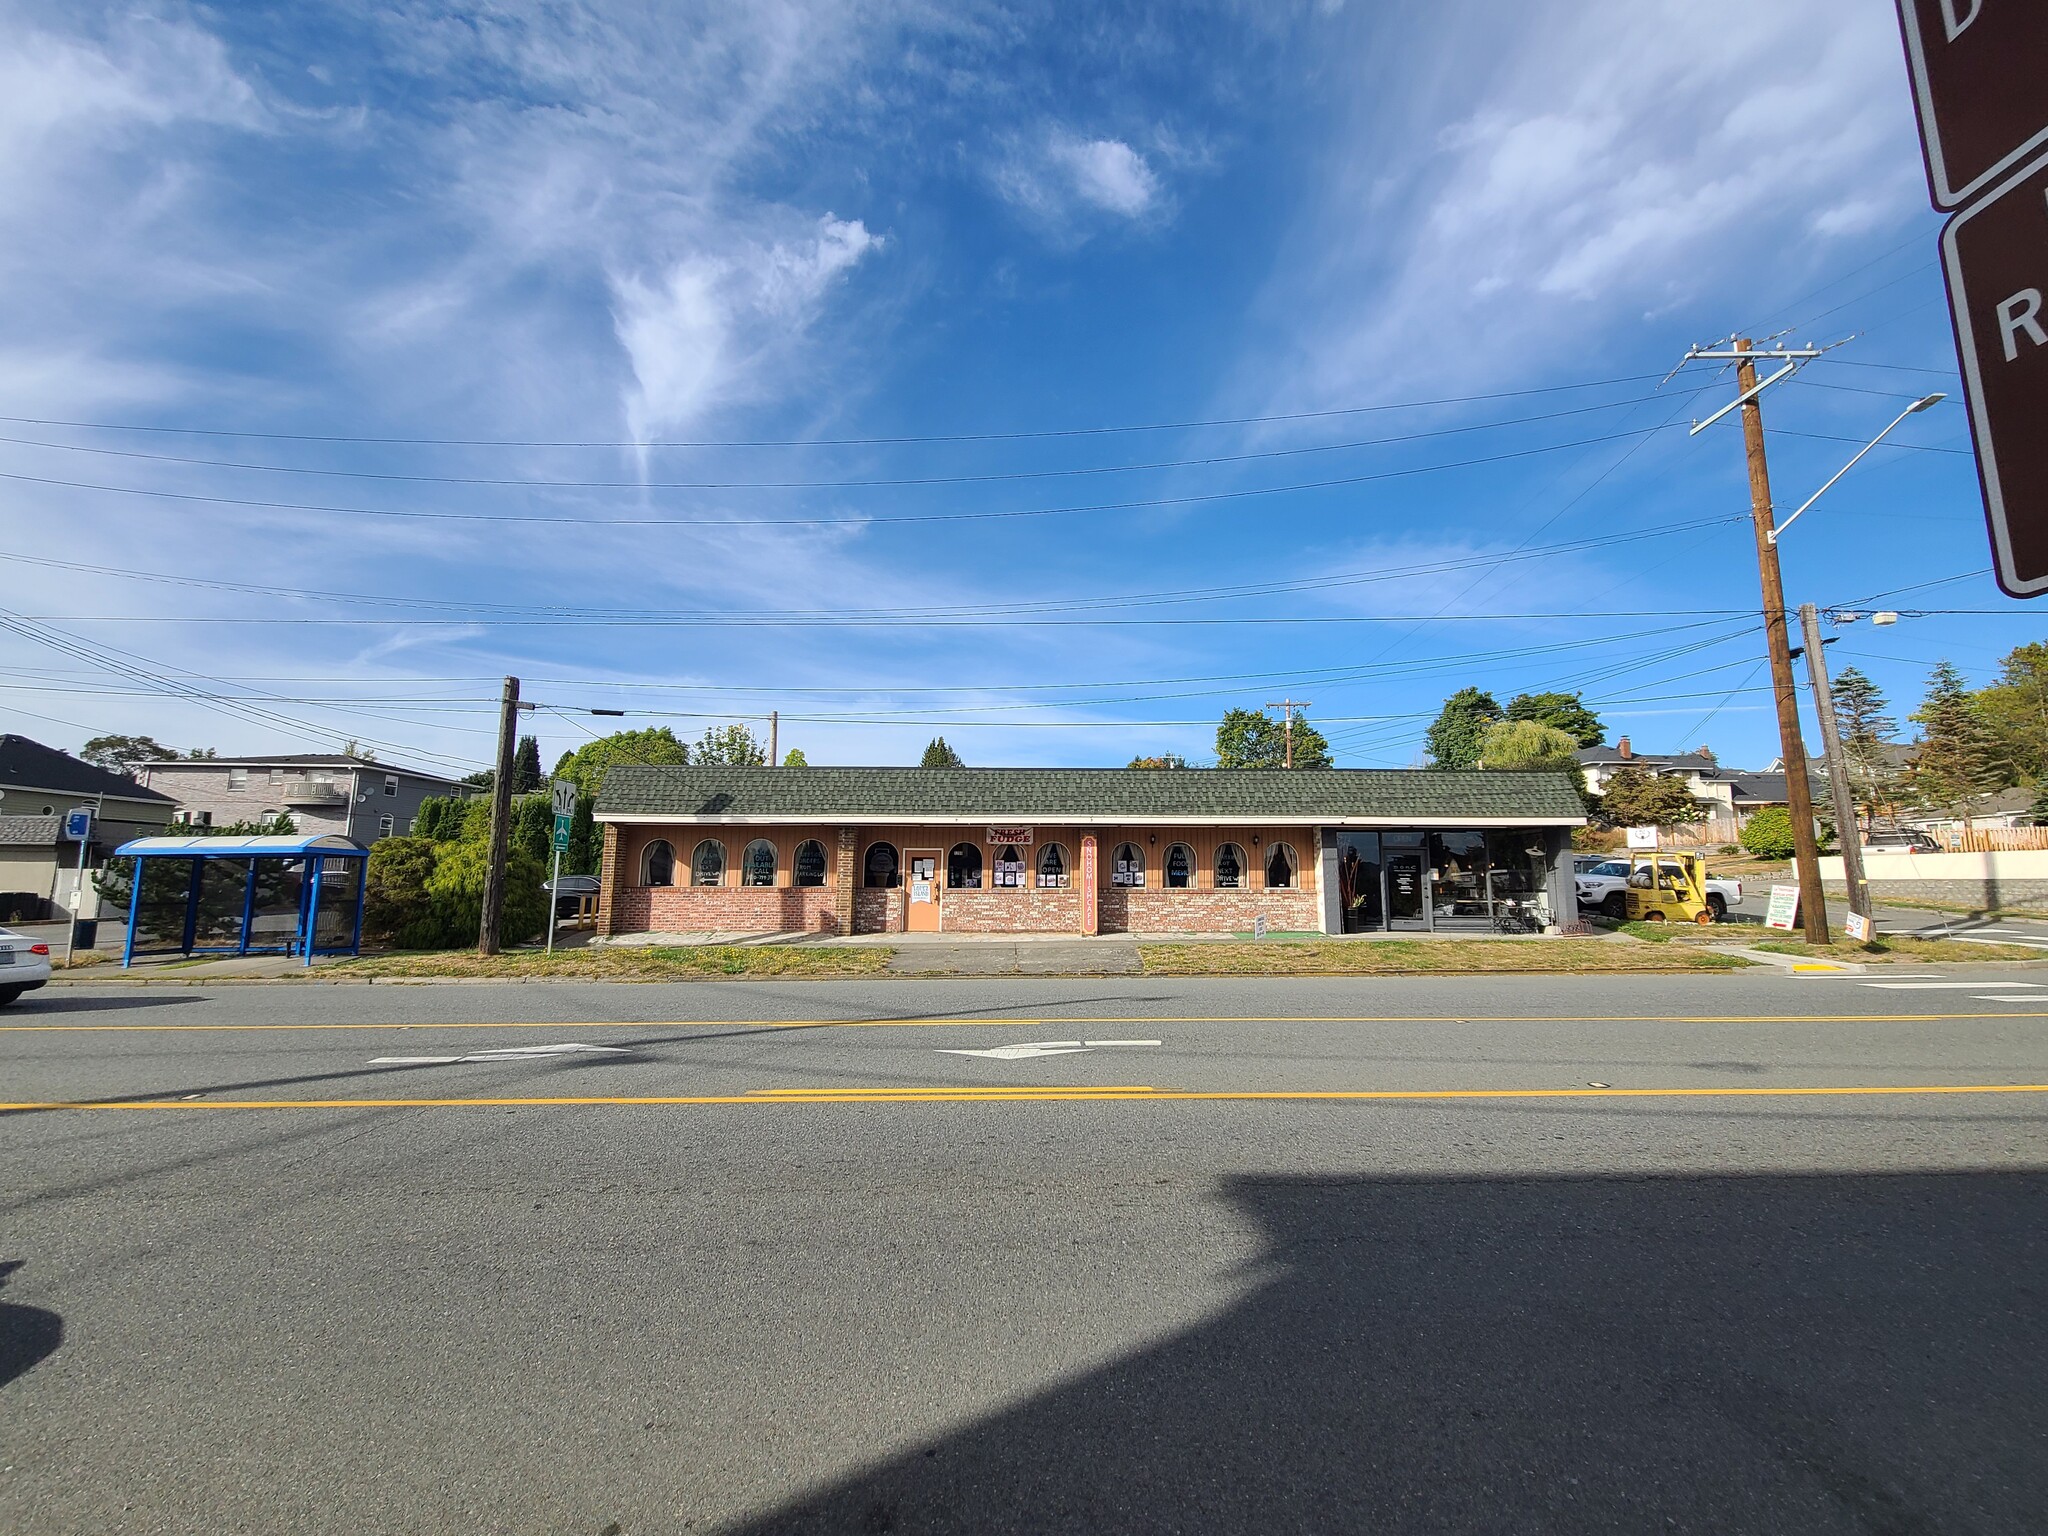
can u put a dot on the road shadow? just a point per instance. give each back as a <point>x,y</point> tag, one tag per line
<point>28,1335</point>
<point>1733,1354</point>
<point>37,1006</point>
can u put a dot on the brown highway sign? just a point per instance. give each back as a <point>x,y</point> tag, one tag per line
<point>1978,82</point>
<point>1996,257</point>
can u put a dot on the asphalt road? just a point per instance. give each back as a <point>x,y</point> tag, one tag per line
<point>1716,1254</point>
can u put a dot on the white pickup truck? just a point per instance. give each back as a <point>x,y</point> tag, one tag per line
<point>1603,884</point>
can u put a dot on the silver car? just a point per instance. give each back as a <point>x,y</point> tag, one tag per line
<point>24,965</point>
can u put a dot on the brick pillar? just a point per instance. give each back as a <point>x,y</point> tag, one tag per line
<point>846,877</point>
<point>611,879</point>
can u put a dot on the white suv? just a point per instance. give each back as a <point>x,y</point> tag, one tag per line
<point>24,965</point>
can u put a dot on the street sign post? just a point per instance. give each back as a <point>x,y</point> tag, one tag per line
<point>1982,99</point>
<point>1976,67</point>
<point>78,827</point>
<point>1995,255</point>
<point>565,811</point>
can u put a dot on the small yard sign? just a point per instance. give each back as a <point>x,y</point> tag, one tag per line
<point>1857,926</point>
<point>1784,912</point>
<point>1642,837</point>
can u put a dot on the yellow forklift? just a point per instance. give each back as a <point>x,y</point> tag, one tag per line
<point>1668,887</point>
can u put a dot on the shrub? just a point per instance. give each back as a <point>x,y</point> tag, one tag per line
<point>1768,834</point>
<point>396,907</point>
<point>456,889</point>
<point>1729,850</point>
<point>1597,839</point>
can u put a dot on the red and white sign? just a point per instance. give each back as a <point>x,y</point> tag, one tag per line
<point>1009,837</point>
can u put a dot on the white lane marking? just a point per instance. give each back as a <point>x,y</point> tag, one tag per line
<point>1039,1048</point>
<point>2000,997</point>
<point>1944,986</point>
<point>2029,942</point>
<point>509,1053</point>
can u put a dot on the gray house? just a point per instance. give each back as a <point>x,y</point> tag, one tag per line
<point>38,784</point>
<point>321,792</point>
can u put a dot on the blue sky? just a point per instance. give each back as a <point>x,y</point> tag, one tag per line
<point>878,328</point>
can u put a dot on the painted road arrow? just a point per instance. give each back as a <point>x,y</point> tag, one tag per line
<point>1041,1048</point>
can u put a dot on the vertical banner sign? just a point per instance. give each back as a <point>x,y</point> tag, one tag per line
<point>1980,89</point>
<point>1090,859</point>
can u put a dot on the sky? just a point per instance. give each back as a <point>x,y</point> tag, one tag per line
<point>1049,378</point>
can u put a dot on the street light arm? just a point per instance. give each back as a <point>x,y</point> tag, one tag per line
<point>1914,408</point>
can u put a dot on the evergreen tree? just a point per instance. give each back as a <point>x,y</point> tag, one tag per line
<point>1460,728</point>
<point>526,774</point>
<point>1634,798</point>
<point>939,755</point>
<point>1957,758</point>
<point>1866,732</point>
<point>2015,712</point>
<point>1562,712</point>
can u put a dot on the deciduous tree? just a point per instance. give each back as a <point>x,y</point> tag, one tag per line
<point>1634,798</point>
<point>1162,760</point>
<point>122,754</point>
<point>586,766</point>
<point>1250,738</point>
<point>1460,728</point>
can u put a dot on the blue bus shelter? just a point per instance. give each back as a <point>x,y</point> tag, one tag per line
<point>260,895</point>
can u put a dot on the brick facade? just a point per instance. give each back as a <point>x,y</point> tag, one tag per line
<point>1212,911</point>
<point>878,911</point>
<point>610,882</point>
<point>725,909</point>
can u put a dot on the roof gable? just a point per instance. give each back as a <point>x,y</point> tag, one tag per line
<point>26,764</point>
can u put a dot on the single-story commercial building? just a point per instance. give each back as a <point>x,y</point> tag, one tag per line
<point>1062,850</point>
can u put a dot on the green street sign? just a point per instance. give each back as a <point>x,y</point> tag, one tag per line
<point>561,834</point>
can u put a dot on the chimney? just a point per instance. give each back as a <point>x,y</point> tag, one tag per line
<point>1622,748</point>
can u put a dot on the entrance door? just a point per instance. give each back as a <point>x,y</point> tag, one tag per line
<point>1404,891</point>
<point>921,891</point>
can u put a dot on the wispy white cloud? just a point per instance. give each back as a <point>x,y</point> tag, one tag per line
<point>1067,183</point>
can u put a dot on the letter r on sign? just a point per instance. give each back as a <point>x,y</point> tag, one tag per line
<point>2021,312</point>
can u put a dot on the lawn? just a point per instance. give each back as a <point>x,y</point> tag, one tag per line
<point>624,963</point>
<point>1893,948</point>
<point>1425,957</point>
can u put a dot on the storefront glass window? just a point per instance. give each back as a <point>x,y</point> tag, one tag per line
<point>808,867</point>
<point>1052,868</point>
<point>1279,868</point>
<point>1229,867</point>
<point>1457,879</point>
<point>963,868</point>
<point>1128,866</point>
<point>1520,876</point>
<point>658,863</point>
<point>1180,867</point>
<point>757,863</point>
<point>883,867</point>
<point>707,864</point>
<point>1358,881</point>
<point>1009,869</point>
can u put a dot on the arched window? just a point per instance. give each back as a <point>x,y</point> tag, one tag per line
<point>707,864</point>
<point>658,863</point>
<point>1229,867</point>
<point>1052,868</point>
<point>1280,868</point>
<point>1010,868</point>
<point>963,868</point>
<point>1128,866</point>
<point>883,867</point>
<point>757,863</point>
<point>808,866</point>
<point>1180,867</point>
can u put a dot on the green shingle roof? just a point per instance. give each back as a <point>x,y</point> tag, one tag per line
<point>1084,794</point>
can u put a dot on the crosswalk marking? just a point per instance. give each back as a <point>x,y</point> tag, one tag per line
<point>1945,986</point>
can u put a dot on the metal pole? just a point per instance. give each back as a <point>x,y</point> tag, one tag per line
<point>554,894</point>
<point>1798,793</point>
<point>1847,830</point>
<point>501,821</point>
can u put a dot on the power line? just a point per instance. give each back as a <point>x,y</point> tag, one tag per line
<point>870,483</point>
<point>859,520</point>
<point>831,442</point>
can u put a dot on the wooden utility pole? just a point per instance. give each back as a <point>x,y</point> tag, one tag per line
<point>1798,793</point>
<point>1847,831</point>
<point>501,820</point>
<point>1290,706</point>
<point>774,738</point>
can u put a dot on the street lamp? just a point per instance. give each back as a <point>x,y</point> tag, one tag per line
<point>1846,828</point>
<point>1927,402</point>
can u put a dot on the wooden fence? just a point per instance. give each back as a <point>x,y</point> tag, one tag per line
<point>1993,839</point>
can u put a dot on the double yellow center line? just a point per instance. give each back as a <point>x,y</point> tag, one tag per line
<point>1063,1094</point>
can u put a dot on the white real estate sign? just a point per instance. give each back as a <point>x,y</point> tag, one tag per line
<point>1642,837</point>
<point>1784,912</point>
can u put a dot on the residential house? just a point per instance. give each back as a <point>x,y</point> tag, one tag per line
<point>38,785</point>
<point>1731,795</point>
<point>321,792</point>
